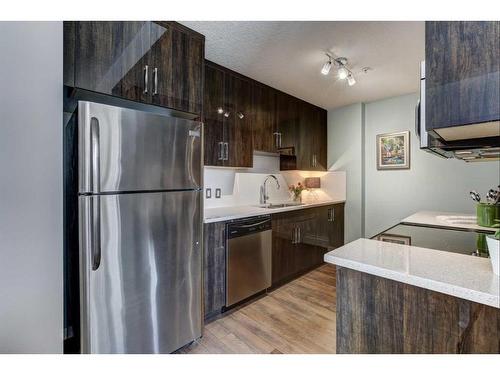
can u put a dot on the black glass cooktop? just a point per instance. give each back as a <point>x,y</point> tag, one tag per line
<point>445,239</point>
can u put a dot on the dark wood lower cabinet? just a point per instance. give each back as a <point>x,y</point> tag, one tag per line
<point>377,315</point>
<point>214,268</point>
<point>302,237</point>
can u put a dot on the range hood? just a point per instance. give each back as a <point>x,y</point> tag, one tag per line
<point>470,143</point>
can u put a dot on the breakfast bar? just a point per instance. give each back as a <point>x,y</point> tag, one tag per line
<point>396,298</point>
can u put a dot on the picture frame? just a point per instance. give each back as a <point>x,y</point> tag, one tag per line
<point>393,150</point>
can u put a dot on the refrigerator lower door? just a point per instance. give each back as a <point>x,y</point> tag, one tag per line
<point>140,271</point>
<point>122,149</point>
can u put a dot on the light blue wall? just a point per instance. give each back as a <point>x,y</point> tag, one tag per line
<point>345,139</point>
<point>431,183</point>
<point>380,199</point>
<point>31,184</point>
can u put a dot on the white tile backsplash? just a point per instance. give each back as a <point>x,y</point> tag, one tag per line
<point>241,187</point>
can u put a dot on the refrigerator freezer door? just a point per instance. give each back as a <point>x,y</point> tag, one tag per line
<point>145,294</point>
<point>121,149</point>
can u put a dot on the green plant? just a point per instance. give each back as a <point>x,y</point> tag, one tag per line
<point>497,233</point>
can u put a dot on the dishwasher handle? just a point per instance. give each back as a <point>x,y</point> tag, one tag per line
<point>244,227</point>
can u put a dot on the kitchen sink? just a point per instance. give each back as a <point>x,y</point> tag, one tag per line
<point>458,220</point>
<point>279,205</point>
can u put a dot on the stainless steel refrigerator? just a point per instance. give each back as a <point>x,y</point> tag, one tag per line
<point>140,230</point>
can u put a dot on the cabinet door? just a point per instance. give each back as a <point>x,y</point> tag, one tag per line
<point>99,58</point>
<point>287,120</point>
<point>213,117</point>
<point>462,74</point>
<point>177,67</point>
<point>312,136</point>
<point>238,123</point>
<point>136,78</point>
<point>264,118</point>
<point>330,224</point>
<point>306,254</point>
<point>319,141</point>
<point>283,248</point>
<point>214,268</point>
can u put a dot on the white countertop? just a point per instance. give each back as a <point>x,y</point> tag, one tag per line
<point>212,215</point>
<point>458,275</point>
<point>445,219</point>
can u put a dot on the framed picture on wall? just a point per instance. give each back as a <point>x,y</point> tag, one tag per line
<point>393,150</point>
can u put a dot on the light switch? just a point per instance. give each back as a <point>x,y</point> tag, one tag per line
<point>217,193</point>
<point>208,193</point>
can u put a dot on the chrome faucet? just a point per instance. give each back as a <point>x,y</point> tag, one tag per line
<point>263,190</point>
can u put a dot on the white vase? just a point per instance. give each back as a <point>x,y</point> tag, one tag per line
<point>494,250</point>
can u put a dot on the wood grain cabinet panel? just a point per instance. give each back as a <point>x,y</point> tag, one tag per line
<point>228,117</point>
<point>238,125</point>
<point>377,315</point>
<point>462,69</point>
<point>302,237</point>
<point>99,60</point>
<point>213,119</point>
<point>214,268</point>
<point>157,63</point>
<point>264,118</point>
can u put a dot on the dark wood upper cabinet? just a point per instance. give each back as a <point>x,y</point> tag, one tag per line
<point>227,113</point>
<point>287,121</point>
<point>213,115</point>
<point>238,124</point>
<point>462,78</point>
<point>136,55</point>
<point>264,118</point>
<point>99,56</point>
<point>157,63</point>
<point>177,67</point>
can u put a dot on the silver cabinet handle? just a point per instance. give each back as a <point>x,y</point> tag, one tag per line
<point>155,80</point>
<point>221,150</point>
<point>146,71</point>
<point>299,235</point>
<point>226,151</point>
<point>275,134</point>
<point>279,140</point>
<point>331,214</point>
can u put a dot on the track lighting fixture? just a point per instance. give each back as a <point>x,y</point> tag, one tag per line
<point>326,68</point>
<point>350,79</point>
<point>343,71</point>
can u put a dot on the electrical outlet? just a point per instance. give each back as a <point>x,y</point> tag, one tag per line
<point>208,193</point>
<point>217,193</point>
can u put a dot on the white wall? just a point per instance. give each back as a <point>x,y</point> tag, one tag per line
<point>31,196</point>
<point>431,183</point>
<point>345,147</point>
<point>386,197</point>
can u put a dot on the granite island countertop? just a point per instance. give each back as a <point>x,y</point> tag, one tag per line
<point>463,276</point>
<point>216,214</point>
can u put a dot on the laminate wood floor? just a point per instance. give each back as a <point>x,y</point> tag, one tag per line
<point>299,317</point>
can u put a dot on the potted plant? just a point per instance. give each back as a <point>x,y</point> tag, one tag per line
<point>493,248</point>
<point>296,191</point>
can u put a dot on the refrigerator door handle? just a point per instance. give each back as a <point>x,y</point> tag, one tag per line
<point>95,175</point>
<point>95,232</point>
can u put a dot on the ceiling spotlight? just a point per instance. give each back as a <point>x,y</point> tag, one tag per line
<point>326,68</point>
<point>350,79</point>
<point>342,72</point>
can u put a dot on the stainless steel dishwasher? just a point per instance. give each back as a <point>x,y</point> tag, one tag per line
<point>248,258</point>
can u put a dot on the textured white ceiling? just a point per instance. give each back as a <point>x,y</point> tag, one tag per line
<point>289,56</point>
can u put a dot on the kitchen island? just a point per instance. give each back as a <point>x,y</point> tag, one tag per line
<point>395,298</point>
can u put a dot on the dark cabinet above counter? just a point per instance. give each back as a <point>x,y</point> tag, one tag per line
<point>158,63</point>
<point>462,74</point>
<point>242,115</point>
